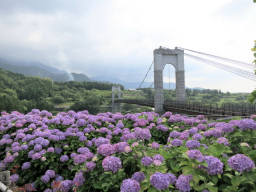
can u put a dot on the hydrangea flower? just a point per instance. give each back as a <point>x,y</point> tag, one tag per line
<point>64,158</point>
<point>160,181</point>
<point>45,179</point>
<point>50,173</point>
<point>172,178</point>
<point>197,136</point>
<point>192,144</point>
<point>25,165</point>
<point>146,161</point>
<point>14,178</point>
<point>111,163</point>
<point>155,145</point>
<point>158,157</point>
<point>247,124</point>
<point>78,179</point>
<point>223,140</point>
<point>90,165</point>
<point>176,142</point>
<point>106,149</point>
<point>65,185</point>
<point>195,154</point>
<point>241,163</point>
<point>174,134</point>
<point>138,176</point>
<point>130,185</point>
<point>182,183</point>
<point>215,166</point>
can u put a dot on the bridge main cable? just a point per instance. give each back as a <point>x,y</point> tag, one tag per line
<point>234,70</point>
<point>219,57</point>
<point>146,75</point>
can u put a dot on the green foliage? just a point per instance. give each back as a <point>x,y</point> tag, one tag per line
<point>91,103</point>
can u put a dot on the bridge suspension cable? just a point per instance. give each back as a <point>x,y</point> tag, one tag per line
<point>146,75</point>
<point>235,70</point>
<point>241,63</point>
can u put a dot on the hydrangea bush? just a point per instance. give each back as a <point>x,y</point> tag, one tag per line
<point>129,153</point>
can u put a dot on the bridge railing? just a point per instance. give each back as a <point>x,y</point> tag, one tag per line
<point>198,108</point>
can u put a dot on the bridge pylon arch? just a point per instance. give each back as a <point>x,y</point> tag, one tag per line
<point>175,57</point>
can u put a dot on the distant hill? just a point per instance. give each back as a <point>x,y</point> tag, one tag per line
<point>80,77</point>
<point>40,70</point>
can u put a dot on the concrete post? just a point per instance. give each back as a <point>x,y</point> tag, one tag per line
<point>180,86</point>
<point>116,107</point>
<point>158,83</point>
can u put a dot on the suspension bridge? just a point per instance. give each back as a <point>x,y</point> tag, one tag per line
<point>175,57</point>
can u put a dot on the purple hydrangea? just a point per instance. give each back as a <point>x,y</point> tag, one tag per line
<point>158,157</point>
<point>111,163</point>
<point>160,181</point>
<point>184,135</point>
<point>195,154</point>
<point>155,145</point>
<point>197,136</point>
<point>146,161</point>
<point>223,140</point>
<point>80,158</point>
<point>201,127</point>
<point>247,124</point>
<point>50,150</point>
<point>64,158</point>
<point>78,179</point>
<point>106,149</point>
<point>174,134</point>
<point>193,130</point>
<point>99,141</point>
<point>90,165</point>
<point>192,144</point>
<point>142,134</point>
<point>138,176</point>
<point>182,183</point>
<point>172,178</point>
<point>130,185</point>
<point>14,178</point>
<point>176,142</point>
<point>241,163</point>
<point>50,173</point>
<point>83,150</point>
<point>215,166</point>
<point>65,185</point>
<point>25,165</point>
<point>45,179</point>
<point>120,147</point>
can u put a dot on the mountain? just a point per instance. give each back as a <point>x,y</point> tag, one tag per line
<point>129,85</point>
<point>40,70</point>
<point>80,77</point>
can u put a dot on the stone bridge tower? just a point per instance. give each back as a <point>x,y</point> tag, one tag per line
<point>175,57</point>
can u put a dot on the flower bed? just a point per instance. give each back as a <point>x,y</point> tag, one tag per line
<point>128,153</point>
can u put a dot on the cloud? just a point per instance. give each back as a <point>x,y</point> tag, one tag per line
<point>117,38</point>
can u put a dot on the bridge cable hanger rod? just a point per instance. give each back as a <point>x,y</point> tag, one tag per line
<point>218,57</point>
<point>237,71</point>
<point>146,75</point>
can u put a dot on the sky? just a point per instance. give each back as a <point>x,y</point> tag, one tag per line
<point>116,38</point>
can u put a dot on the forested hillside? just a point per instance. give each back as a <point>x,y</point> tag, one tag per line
<point>21,93</point>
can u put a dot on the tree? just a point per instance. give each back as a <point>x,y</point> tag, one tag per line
<point>252,97</point>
